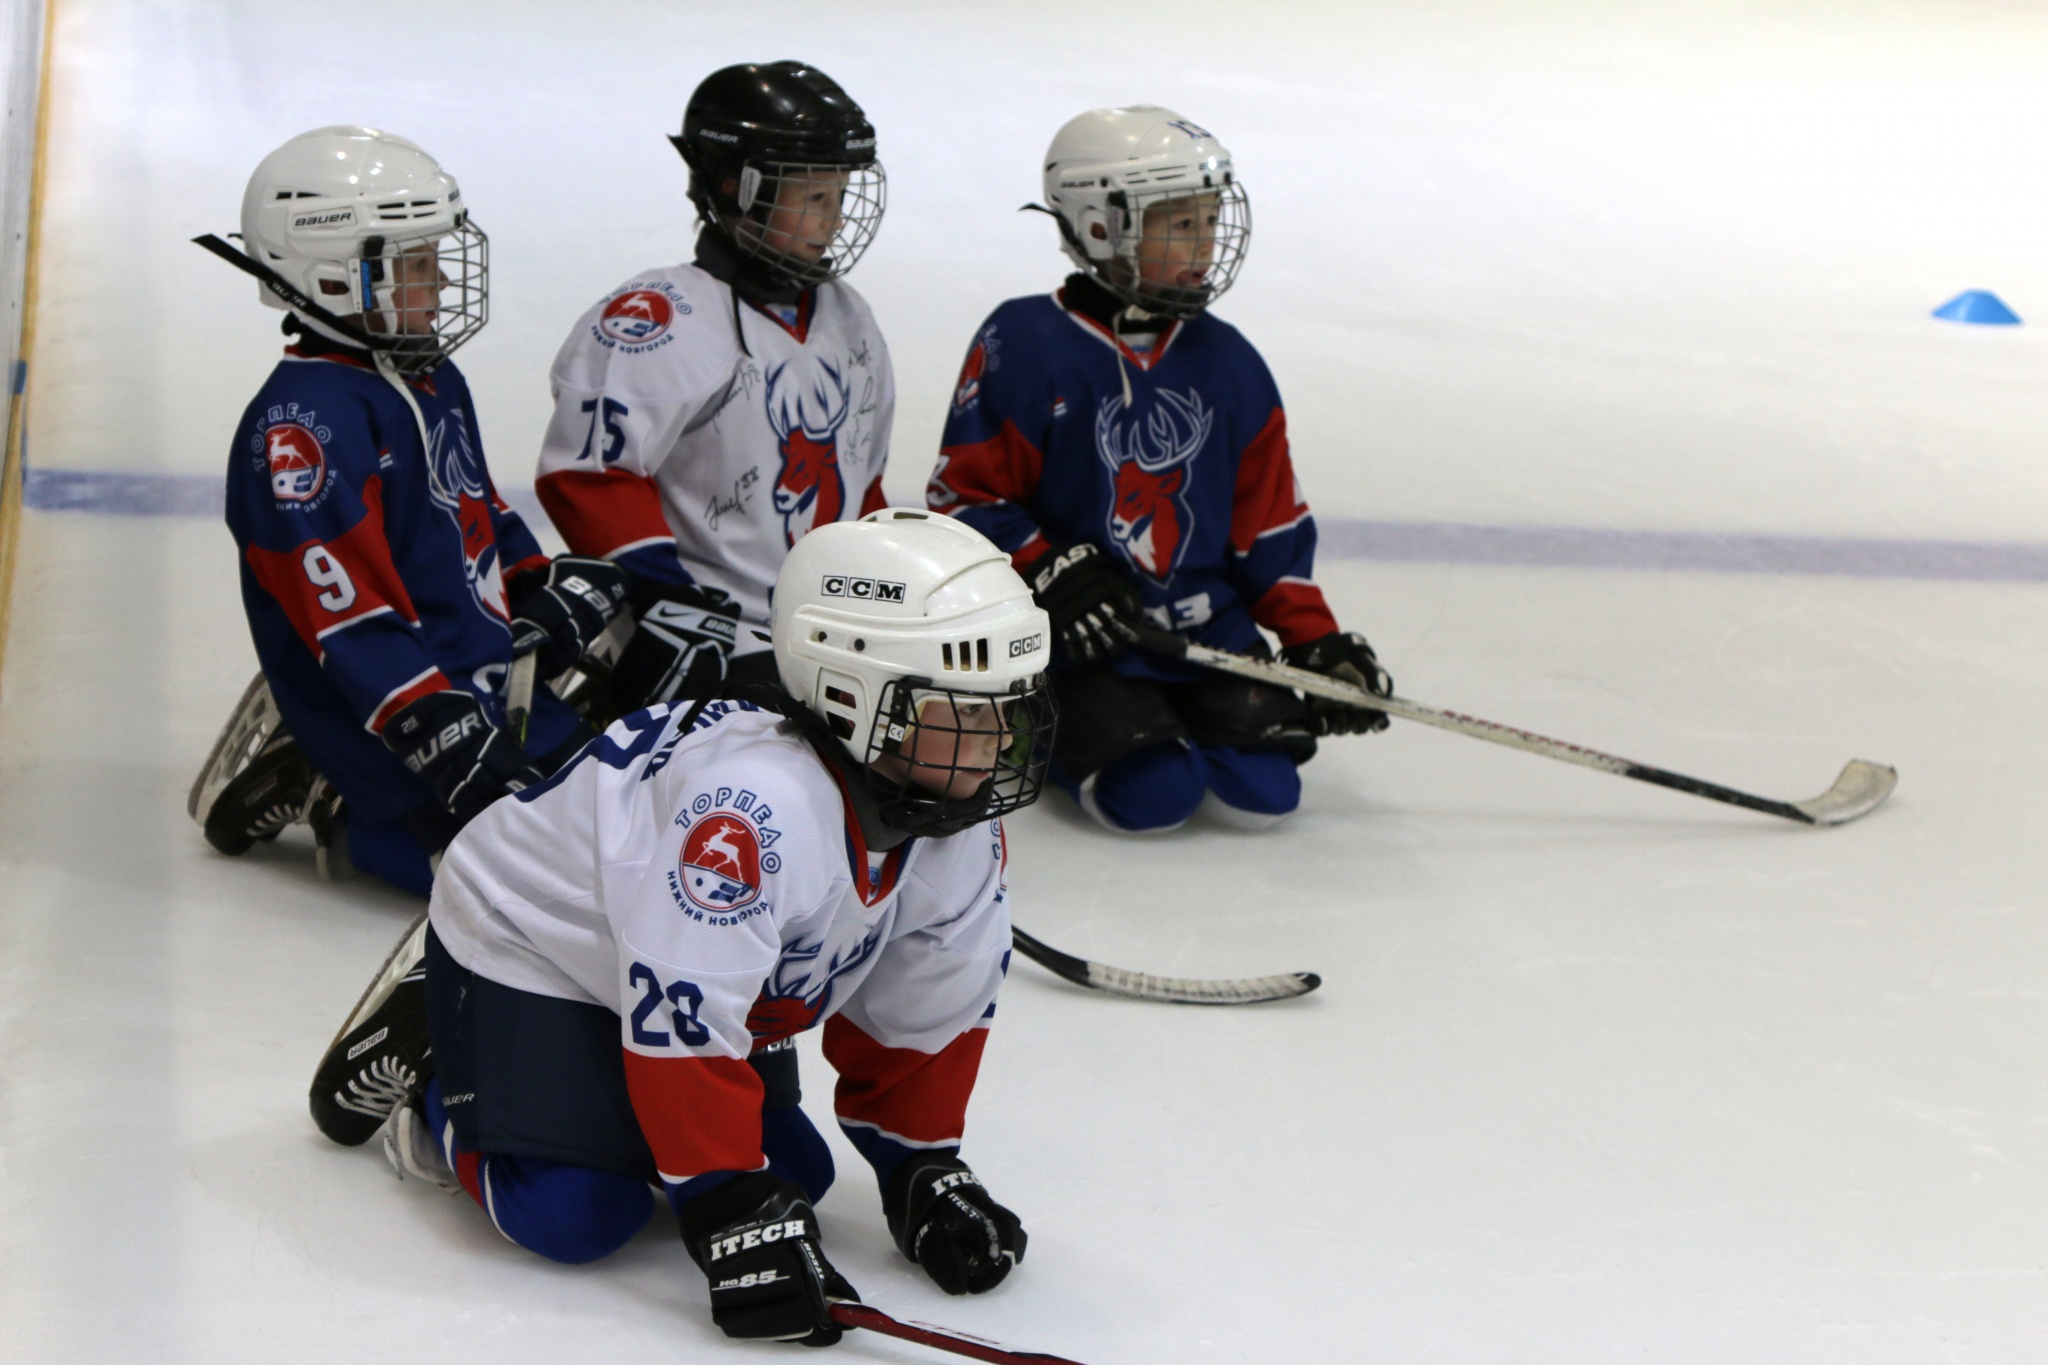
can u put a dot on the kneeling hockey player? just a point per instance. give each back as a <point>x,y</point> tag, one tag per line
<point>1129,450</point>
<point>387,584</point>
<point>708,415</point>
<point>615,961</point>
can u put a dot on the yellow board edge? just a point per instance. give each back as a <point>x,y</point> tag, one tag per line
<point>11,461</point>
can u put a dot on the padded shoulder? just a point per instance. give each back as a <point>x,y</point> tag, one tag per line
<point>665,334</point>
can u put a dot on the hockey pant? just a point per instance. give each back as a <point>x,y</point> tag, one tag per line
<point>530,1105</point>
<point>1141,755</point>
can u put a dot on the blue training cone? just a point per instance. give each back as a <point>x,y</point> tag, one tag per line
<point>1979,306</point>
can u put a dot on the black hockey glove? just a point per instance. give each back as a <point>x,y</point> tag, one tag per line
<point>1095,610</point>
<point>944,1220</point>
<point>1344,655</point>
<point>445,739</point>
<point>680,649</point>
<point>562,609</point>
<point>756,1240</point>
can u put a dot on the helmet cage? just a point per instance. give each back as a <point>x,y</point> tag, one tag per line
<point>386,277</point>
<point>766,214</point>
<point>911,705</point>
<point>1114,258</point>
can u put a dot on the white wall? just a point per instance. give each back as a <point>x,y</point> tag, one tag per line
<point>1582,262</point>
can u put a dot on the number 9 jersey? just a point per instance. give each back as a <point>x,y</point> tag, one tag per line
<point>373,566</point>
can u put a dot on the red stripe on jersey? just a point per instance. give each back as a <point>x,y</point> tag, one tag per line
<point>533,563</point>
<point>699,1113</point>
<point>1268,496</point>
<point>598,513</point>
<point>324,586</point>
<point>427,683</point>
<point>331,357</point>
<point>1004,468</point>
<point>1029,553</point>
<point>874,500</point>
<point>1294,610</point>
<point>921,1096</point>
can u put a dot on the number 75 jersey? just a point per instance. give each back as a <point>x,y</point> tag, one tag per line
<point>696,437</point>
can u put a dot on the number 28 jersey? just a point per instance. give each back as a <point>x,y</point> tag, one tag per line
<point>701,873</point>
<point>697,436</point>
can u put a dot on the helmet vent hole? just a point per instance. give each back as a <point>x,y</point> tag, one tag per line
<point>946,653</point>
<point>860,646</point>
<point>818,637</point>
<point>841,726</point>
<point>981,655</point>
<point>840,696</point>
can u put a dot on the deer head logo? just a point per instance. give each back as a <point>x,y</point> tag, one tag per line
<point>1147,458</point>
<point>806,418</point>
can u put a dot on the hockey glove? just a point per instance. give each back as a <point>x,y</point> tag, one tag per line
<point>1095,610</point>
<point>756,1240</point>
<point>562,609</point>
<point>944,1220</point>
<point>445,739</point>
<point>1345,656</point>
<point>680,649</point>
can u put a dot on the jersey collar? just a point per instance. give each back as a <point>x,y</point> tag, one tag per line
<point>801,329</point>
<point>1108,337</point>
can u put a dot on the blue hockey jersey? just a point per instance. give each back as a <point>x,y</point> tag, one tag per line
<point>1173,460</point>
<point>373,566</point>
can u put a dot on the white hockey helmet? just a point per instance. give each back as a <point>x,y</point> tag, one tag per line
<point>905,621</point>
<point>367,223</point>
<point>1108,166</point>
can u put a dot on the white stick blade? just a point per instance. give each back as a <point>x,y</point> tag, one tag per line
<point>1860,789</point>
<point>1187,991</point>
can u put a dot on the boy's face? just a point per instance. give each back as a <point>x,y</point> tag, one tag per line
<point>1177,244</point>
<point>804,218</point>
<point>951,748</point>
<point>416,284</point>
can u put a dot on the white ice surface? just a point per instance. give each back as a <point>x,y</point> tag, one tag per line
<point>1600,1073</point>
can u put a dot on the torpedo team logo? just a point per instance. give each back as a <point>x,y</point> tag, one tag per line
<point>1149,517</point>
<point>981,361</point>
<point>638,317</point>
<point>719,870</point>
<point>298,462</point>
<point>721,863</point>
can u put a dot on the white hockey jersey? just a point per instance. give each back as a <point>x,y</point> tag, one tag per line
<point>711,886</point>
<point>697,437</point>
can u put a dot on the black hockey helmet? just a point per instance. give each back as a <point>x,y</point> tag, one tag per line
<point>750,133</point>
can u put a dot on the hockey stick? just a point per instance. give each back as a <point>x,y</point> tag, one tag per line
<point>1170,990</point>
<point>291,293</point>
<point>519,694</point>
<point>859,1315</point>
<point>1860,789</point>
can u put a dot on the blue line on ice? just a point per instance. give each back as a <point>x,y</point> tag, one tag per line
<point>1433,542</point>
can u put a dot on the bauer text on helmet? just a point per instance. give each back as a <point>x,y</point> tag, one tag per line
<point>918,644</point>
<point>1148,204</point>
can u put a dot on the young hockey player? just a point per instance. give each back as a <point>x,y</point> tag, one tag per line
<point>1129,450</point>
<point>386,583</point>
<point>708,415</point>
<point>614,961</point>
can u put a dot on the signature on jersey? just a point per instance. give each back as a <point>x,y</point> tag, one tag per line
<point>722,506</point>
